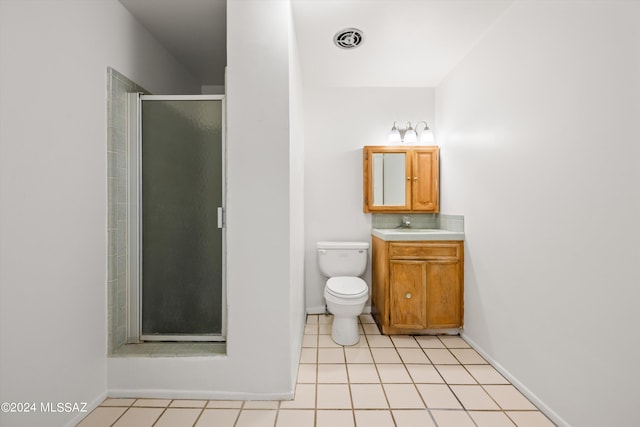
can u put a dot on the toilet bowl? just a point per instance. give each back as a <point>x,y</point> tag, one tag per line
<point>345,293</point>
<point>345,297</point>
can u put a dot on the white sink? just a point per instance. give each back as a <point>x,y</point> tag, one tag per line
<point>397,234</point>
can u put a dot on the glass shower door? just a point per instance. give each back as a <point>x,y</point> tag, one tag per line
<point>181,235</point>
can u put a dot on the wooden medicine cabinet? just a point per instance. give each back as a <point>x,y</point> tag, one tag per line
<point>401,179</point>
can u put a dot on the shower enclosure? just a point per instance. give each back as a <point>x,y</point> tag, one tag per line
<point>176,234</point>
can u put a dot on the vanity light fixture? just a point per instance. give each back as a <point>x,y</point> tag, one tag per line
<point>426,137</point>
<point>409,135</point>
<point>394,135</point>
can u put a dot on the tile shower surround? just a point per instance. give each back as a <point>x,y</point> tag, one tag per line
<point>383,381</point>
<point>118,86</point>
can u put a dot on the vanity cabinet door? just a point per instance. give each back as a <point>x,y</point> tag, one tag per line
<point>424,189</point>
<point>424,294</point>
<point>408,289</point>
<point>443,294</point>
<point>387,179</point>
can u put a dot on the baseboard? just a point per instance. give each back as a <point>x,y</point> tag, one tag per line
<point>557,419</point>
<point>90,407</point>
<point>323,309</point>
<point>316,310</point>
<point>196,394</point>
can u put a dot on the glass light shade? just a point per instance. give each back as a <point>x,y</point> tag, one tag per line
<point>426,137</point>
<point>410,136</point>
<point>394,136</point>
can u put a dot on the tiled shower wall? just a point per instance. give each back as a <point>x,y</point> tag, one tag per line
<point>117,204</point>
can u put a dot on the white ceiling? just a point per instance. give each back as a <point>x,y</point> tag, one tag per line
<point>408,43</point>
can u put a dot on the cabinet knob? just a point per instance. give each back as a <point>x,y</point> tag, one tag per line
<point>415,178</point>
<point>408,178</point>
<point>408,295</point>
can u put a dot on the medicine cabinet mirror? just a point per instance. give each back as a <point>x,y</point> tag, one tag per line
<point>401,179</point>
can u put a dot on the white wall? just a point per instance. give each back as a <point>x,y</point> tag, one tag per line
<point>540,152</point>
<point>53,181</point>
<point>261,235</point>
<point>338,122</point>
<point>259,202</point>
<point>296,199</point>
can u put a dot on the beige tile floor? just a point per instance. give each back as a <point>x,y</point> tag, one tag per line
<point>400,381</point>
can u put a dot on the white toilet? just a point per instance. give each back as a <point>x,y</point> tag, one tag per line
<point>345,292</point>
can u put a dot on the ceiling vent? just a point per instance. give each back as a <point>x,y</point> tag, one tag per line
<point>349,38</point>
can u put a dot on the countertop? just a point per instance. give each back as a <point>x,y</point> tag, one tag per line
<point>416,234</point>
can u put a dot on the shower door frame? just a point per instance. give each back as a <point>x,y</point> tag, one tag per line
<point>134,227</point>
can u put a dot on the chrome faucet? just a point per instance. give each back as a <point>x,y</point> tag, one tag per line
<point>406,223</point>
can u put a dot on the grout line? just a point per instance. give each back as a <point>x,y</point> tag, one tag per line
<point>200,415</point>
<point>413,383</point>
<point>384,392</point>
<point>449,385</point>
<point>121,415</point>
<point>353,409</point>
<point>364,336</point>
<point>275,421</point>
<point>235,423</point>
<point>161,414</point>
<point>117,419</point>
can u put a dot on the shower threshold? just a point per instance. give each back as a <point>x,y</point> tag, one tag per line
<point>181,337</point>
<point>171,349</point>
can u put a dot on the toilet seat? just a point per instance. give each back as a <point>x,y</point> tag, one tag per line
<point>347,287</point>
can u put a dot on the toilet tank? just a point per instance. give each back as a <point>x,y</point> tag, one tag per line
<point>342,258</point>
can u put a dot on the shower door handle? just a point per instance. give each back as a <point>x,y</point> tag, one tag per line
<point>219,217</point>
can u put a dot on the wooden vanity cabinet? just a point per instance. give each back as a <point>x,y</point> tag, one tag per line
<point>417,286</point>
<point>401,179</point>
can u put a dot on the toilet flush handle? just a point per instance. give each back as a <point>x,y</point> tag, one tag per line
<point>322,251</point>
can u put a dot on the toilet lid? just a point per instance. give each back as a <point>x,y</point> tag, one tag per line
<point>347,287</point>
